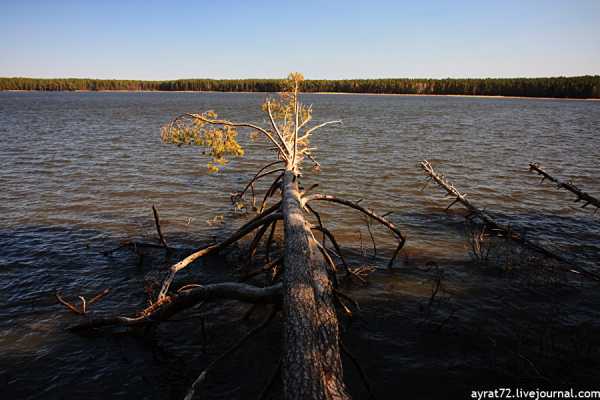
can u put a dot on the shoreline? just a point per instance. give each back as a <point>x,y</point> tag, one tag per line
<point>320,93</point>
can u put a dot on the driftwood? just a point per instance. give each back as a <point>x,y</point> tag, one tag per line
<point>493,226</point>
<point>304,285</point>
<point>581,195</point>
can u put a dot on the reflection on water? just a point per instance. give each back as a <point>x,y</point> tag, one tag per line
<point>80,172</point>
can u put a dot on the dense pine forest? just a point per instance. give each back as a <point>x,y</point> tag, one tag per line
<point>574,87</point>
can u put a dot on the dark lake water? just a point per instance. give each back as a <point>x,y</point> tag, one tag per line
<point>80,172</point>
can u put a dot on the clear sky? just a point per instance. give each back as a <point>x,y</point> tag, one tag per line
<point>323,39</point>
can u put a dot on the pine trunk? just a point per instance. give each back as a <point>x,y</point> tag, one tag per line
<point>312,367</point>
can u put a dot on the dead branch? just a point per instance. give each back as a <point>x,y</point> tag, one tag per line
<point>368,222</point>
<point>256,240</point>
<point>84,303</point>
<point>163,242</point>
<point>318,217</point>
<point>169,306</point>
<point>496,227</point>
<point>256,177</point>
<point>370,213</point>
<point>276,128</point>
<point>270,241</point>
<point>581,195</point>
<point>314,128</point>
<point>274,186</point>
<point>243,231</point>
<point>326,232</point>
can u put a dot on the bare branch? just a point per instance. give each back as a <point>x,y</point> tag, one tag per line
<point>356,206</point>
<point>172,305</point>
<point>581,195</point>
<point>276,128</point>
<point>494,226</point>
<point>240,233</point>
<point>163,242</point>
<point>314,128</point>
<point>256,178</point>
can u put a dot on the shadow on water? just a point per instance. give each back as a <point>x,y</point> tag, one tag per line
<point>484,327</point>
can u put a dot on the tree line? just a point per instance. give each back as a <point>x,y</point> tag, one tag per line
<point>587,86</point>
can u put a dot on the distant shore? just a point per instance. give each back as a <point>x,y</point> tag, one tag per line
<point>319,93</point>
<point>576,87</point>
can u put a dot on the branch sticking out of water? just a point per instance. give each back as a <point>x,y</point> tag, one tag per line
<point>494,226</point>
<point>581,195</point>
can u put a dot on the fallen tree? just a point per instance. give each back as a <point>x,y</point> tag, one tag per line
<point>304,290</point>
<point>496,227</point>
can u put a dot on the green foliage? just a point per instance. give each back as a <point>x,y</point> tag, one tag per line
<point>218,141</point>
<point>575,87</point>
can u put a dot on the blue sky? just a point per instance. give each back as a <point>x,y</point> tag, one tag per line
<point>323,39</point>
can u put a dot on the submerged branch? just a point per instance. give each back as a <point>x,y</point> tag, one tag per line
<point>240,233</point>
<point>169,306</point>
<point>369,213</point>
<point>495,226</point>
<point>581,195</point>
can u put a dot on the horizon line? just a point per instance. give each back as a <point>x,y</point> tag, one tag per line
<point>307,79</point>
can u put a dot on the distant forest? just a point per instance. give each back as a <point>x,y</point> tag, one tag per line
<point>574,87</point>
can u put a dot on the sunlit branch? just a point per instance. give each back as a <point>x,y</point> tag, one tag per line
<point>314,128</point>
<point>295,126</point>
<point>275,127</point>
<point>240,125</point>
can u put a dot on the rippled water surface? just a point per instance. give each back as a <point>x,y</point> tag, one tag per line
<point>80,171</point>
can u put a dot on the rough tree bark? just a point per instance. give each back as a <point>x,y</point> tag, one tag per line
<point>312,366</point>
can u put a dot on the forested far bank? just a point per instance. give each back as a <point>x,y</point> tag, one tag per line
<point>562,87</point>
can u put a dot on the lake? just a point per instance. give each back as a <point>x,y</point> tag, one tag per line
<point>80,172</point>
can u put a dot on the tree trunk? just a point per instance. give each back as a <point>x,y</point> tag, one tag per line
<point>312,367</point>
